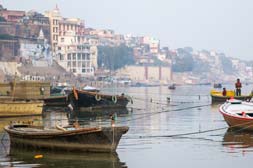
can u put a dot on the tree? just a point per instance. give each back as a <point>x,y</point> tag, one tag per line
<point>184,61</point>
<point>115,57</point>
<point>2,19</point>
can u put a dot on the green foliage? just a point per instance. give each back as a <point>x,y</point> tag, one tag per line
<point>6,37</point>
<point>2,19</point>
<point>184,62</point>
<point>115,57</point>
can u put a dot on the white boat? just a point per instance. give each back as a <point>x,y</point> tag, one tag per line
<point>238,114</point>
<point>90,89</point>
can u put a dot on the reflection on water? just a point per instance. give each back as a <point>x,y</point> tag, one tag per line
<point>238,141</point>
<point>26,158</point>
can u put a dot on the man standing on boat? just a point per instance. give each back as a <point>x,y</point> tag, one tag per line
<point>238,86</point>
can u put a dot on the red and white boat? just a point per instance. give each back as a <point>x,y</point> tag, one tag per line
<point>238,114</point>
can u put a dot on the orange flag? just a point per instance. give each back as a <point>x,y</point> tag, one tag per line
<point>75,93</point>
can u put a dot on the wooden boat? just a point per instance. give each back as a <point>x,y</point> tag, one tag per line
<point>84,100</point>
<point>9,108</point>
<point>172,87</point>
<point>95,139</point>
<point>90,89</point>
<point>56,100</point>
<point>217,96</point>
<point>217,85</point>
<point>238,114</point>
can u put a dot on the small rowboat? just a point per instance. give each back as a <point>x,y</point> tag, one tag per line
<point>238,114</point>
<point>96,139</point>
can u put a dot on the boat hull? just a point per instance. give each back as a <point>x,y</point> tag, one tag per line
<point>20,108</point>
<point>222,99</point>
<point>239,123</point>
<point>84,101</point>
<point>238,116</point>
<point>56,101</point>
<point>104,139</point>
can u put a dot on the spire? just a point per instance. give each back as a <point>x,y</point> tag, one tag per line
<point>56,7</point>
<point>41,34</point>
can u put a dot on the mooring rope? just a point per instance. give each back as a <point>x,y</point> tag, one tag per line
<point>165,111</point>
<point>167,103</point>
<point>198,132</point>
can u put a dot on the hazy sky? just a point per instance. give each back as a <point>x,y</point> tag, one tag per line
<point>222,25</point>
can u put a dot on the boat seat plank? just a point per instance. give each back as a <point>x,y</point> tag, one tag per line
<point>36,130</point>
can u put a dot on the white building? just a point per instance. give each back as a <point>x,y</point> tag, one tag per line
<point>78,58</point>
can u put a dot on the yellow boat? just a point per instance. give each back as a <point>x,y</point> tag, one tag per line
<point>9,108</point>
<point>217,96</point>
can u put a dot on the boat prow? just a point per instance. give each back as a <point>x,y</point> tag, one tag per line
<point>238,114</point>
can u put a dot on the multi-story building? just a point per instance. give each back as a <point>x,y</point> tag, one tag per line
<point>54,18</point>
<point>76,57</point>
<point>105,37</point>
<point>72,50</point>
<point>154,44</point>
<point>59,26</point>
<point>11,15</point>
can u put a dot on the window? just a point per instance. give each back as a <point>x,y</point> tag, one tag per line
<point>62,39</point>
<point>79,56</point>
<point>83,70</point>
<point>61,56</point>
<point>83,64</point>
<point>74,70</point>
<point>74,56</point>
<point>69,56</point>
<point>74,63</point>
<point>68,64</point>
<point>83,56</point>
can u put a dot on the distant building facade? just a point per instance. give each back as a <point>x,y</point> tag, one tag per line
<point>11,15</point>
<point>59,26</point>
<point>76,57</point>
<point>146,73</point>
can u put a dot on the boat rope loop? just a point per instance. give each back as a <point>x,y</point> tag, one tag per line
<point>114,99</point>
<point>98,97</point>
<point>129,98</point>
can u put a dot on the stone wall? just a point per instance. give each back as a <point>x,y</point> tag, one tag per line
<point>148,73</point>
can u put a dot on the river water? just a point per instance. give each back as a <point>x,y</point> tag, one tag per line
<point>152,140</point>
